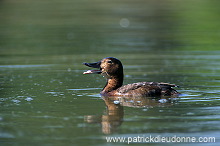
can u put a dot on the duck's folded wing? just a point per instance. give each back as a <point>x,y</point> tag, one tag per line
<point>167,85</point>
<point>145,85</point>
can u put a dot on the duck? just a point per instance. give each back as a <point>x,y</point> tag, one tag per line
<point>112,69</point>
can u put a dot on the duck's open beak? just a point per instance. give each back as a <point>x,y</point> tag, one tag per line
<point>93,65</point>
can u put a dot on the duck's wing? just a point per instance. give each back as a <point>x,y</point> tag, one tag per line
<point>166,85</point>
<point>134,86</point>
<point>148,88</point>
<point>129,87</point>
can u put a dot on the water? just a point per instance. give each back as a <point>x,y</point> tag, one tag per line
<point>46,100</point>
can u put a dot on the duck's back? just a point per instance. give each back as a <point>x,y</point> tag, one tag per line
<point>147,89</point>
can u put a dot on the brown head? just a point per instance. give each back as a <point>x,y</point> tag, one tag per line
<point>111,68</point>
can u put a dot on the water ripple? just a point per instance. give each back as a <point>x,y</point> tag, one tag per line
<point>24,66</point>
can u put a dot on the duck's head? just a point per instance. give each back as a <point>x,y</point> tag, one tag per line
<point>109,67</point>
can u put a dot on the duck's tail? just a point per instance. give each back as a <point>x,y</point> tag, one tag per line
<point>167,89</point>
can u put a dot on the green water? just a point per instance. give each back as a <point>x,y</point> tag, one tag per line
<point>46,100</point>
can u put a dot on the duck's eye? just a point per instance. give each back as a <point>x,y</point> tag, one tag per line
<point>109,61</point>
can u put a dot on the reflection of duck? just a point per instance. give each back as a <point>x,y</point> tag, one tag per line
<point>112,69</point>
<point>142,102</point>
<point>111,120</point>
<point>115,112</point>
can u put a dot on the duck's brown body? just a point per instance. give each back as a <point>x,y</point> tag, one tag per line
<point>148,89</point>
<point>112,69</point>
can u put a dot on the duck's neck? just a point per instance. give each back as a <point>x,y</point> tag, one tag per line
<point>113,84</point>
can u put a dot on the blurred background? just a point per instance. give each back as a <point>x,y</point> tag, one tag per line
<point>45,98</point>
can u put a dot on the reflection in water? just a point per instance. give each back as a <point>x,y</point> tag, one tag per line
<point>114,114</point>
<point>112,118</point>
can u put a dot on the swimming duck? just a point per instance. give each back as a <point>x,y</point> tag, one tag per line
<point>112,69</point>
